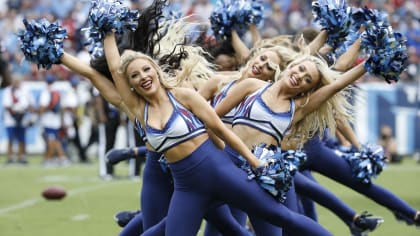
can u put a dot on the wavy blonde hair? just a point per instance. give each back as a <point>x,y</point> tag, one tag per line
<point>175,32</point>
<point>324,116</point>
<point>196,69</point>
<point>129,56</point>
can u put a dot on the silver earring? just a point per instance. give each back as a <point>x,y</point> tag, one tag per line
<point>132,89</point>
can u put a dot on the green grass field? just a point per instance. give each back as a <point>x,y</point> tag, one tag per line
<point>91,202</point>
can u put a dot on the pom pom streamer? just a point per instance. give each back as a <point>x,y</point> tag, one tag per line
<point>387,50</point>
<point>229,15</point>
<point>94,47</point>
<point>367,163</point>
<point>42,42</point>
<point>359,17</point>
<point>295,159</point>
<point>275,176</point>
<point>108,15</point>
<point>335,17</point>
<point>366,17</point>
<point>352,36</point>
<point>105,16</point>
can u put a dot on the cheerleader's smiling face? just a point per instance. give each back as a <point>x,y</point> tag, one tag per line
<point>302,77</point>
<point>264,66</point>
<point>142,76</point>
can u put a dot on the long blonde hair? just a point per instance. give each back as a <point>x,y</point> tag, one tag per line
<point>324,116</point>
<point>129,56</point>
<point>196,69</point>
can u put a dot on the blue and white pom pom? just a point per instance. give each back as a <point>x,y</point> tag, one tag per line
<point>106,16</point>
<point>274,176</point>
<point>334,16</point>
<point>295,159</point>
<point>388,53</point>
<point>367,163</point>
<point>387,50</point>
<point>95,49</point>
<point>229,15</point>
<point>42,42</point>
<point>367,16</point>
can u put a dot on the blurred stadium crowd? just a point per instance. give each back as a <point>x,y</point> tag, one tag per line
<point>281,17</point>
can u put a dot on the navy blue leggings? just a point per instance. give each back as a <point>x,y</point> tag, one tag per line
<point>207,176</point>
<point>308,188</point>
<point>306,206</point>
<point>324,161</point>
<point>239,216</point>
<point>260,226</point>
<point>134,227</point>
<point>156,193</point>
<point>313,190</point>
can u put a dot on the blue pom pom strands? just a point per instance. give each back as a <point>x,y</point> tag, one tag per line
<point>359,17</point>
<point>353,34</point>
<point>95,48</point>
<point>229,15</point>
<point>389,61</point>
<point>108,15</point>
<point>105,16</point>
<point>295,159</point>
<point>367,163</point>
<point>387,50</point>
<point>334,16</point>
<point>42,42</point>
<point>274,175</point>
<point>366,16</point>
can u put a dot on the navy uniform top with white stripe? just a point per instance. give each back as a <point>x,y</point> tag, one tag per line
<point>228,118</point>
<point>254,112</point>
<point>181,126</point>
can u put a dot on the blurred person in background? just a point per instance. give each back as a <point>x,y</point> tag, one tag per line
<point>200,10</point>
<point>275,20</point>
<point>71,120</point>
<point>108,123</point>
<point>5,79</point>
<point>413,65</point>
<point>387,141</point>
<point>17,103</point>
<point>92,115</point>
<point>50,105</point>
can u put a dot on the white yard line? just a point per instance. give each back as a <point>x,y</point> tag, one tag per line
<point>19,206</point>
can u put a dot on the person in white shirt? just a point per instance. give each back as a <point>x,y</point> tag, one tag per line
<point>71,102</point>
<point>50,105</point>
<point>17,103</point>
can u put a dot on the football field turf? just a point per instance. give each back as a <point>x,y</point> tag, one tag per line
<point>90,203</point>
